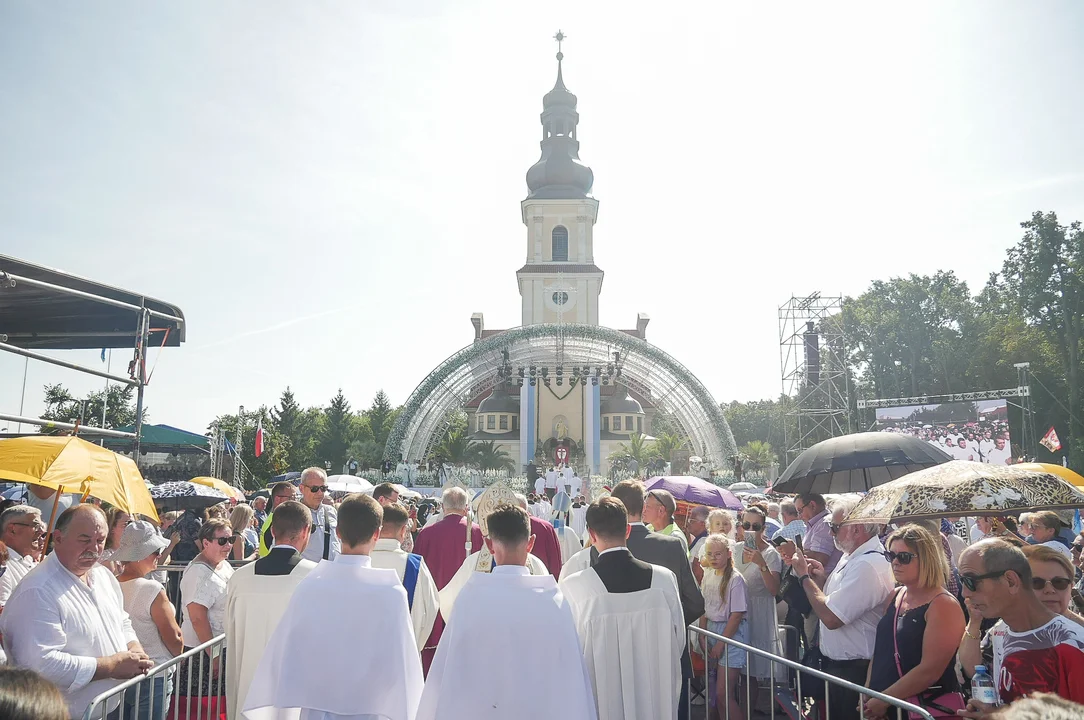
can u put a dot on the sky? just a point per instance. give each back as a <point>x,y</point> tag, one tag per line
<point>328,190</point>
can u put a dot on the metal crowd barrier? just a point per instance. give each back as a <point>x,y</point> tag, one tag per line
<point>173,582</point>
<point>902,707</point>
<point>137,699</point>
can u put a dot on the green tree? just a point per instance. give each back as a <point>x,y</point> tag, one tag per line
<point>487,455</point>
<point>295,427</point>
<point>379,413</point>
<point>62,406</point>
<point>455,448</point>
<point>667,443</point>
<point>256,471</point>
<point>1044,274</point>
<point>757,456</point>
<point>338,432</point>
<point>638,449</point>
<point>757,420</point>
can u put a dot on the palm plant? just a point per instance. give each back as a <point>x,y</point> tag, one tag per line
<point>758,455</point>
<point>667,443</point>
<point>455,447</point>
<point>638,449</point>
<point>487,455</point>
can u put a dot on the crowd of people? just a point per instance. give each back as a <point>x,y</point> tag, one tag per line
<point>978,441</point>
<point>420,612</point>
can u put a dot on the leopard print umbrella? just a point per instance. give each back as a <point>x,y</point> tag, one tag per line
<point>965,488</point>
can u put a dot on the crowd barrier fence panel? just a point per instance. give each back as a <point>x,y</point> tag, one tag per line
<point>189,705</point>
<point>902,707</point>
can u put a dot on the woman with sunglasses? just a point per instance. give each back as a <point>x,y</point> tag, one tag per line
<point>761,568</point>
<point>914,656</point>
<point>154,619</point>
<point>1052,580</point>
<point>203,604</point>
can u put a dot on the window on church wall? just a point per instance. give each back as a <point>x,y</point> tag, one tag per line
<point>479,423</point>
<point>491,422</point>
<point>504,422</point>
<point>617,423</point>
<point>559,246</point>
<point>628,423</point>
<point>515,422</point>
<point>640,425</point>
<point>605,424</point>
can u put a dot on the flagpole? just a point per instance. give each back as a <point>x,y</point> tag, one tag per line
<point>105,397</point>
<point>237,449</point>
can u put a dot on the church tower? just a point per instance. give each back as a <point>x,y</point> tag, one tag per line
<point>560,281</point>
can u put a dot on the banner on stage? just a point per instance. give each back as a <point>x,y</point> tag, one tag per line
<point>971,430</point>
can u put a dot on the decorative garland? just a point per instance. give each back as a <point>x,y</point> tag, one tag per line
<point>708,427</point>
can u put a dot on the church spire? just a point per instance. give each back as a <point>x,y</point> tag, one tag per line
<point>558,173</point>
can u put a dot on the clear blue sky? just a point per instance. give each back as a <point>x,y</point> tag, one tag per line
<point>329,190</point>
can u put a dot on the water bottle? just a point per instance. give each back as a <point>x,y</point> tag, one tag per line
<point>982,686</point>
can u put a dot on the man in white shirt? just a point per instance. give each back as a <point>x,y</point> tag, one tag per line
<point>487,634</point>
<point>23,531</point>
<point>364,665</point>
<point>850,606</point>
<point>415,576</point>
<point>66,619</point>
<point>324,543</point>
<point>550,487</point>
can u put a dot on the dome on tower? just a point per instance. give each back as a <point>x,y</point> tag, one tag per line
<point>620,403</point>
<point>559,174</point>
<point>499,401</point>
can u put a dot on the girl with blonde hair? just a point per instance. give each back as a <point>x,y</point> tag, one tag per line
<point>725,606</point>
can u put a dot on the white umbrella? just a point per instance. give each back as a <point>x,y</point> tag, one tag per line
<point>349,484</point>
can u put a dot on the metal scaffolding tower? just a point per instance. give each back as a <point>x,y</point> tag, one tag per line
<point>813,362</point>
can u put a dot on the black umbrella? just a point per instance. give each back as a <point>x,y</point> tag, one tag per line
<point>184,495</point>
<point>856,463</point>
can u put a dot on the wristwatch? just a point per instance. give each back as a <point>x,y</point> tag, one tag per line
<point>803,578</point>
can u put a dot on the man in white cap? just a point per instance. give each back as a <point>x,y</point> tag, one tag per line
<point>369,666</point>
<point>257,595</point>
<point>486,630</point>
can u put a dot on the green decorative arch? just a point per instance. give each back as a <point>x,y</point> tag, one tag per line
<point>645,368</point>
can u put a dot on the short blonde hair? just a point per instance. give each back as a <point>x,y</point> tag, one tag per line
<point>933,568</point>
<point>717,516</point>
<point>1042,553</point>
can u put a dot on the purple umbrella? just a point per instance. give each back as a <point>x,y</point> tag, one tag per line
<point>694,490</point>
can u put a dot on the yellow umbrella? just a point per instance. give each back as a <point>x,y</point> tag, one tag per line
<point>221,485</point>
<point>1054,469</point>
<point>71,464</point>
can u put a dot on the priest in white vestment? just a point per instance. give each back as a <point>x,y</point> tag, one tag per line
<point>491,664</point>
<point>496,495</point>
<point>257,596</point>
<point>364,665</point>
<point>411,569</point>
<point>567,539</point>
<point>629,621</point>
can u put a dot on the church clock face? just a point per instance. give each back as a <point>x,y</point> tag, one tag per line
<point>560,297</point>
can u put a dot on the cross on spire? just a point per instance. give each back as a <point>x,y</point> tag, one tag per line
<point>560,38</point>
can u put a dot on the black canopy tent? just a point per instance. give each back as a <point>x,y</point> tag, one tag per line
<point>46,309</point>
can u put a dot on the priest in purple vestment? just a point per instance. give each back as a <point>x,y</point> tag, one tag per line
<point>546,547</point>
<point>442,545</point>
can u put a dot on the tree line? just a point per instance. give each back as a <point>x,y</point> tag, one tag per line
<point>933,335</point>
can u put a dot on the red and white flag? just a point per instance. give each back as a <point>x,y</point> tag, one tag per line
<point>259,438</point>
<point>1050,440</point>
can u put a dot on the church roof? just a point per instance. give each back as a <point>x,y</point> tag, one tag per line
<point>620,403</point>
<point>556,268</point>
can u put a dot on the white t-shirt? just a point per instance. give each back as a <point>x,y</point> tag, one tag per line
<point>857,590</point>
<point>139,595</point>
<point>206,586</point>
<point>716,608</point>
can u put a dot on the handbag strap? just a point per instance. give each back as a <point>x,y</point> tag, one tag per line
<point>896,602</point>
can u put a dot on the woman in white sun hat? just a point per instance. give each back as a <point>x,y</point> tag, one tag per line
<point>153,615</point>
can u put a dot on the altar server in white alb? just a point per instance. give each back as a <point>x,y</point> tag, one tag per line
<point>411,569</point>
<point>483,561</point>
<point>629,620</point>
<point>345,649</point>
<point>492,662</point>
<point>257,596</point>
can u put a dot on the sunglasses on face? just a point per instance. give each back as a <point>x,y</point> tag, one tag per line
<point>316,488</point>
<point>224,541</point>
<point>755,527</point>
<point>904,557</point>
<point>1060,584</point>
<point>971,582</point>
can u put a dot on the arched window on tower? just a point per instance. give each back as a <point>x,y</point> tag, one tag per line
<point>560,244</point>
